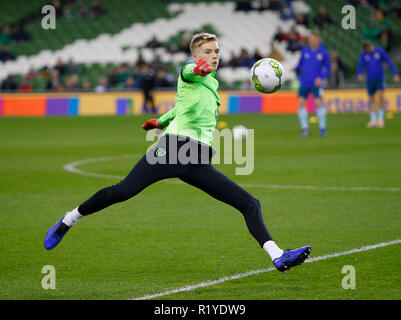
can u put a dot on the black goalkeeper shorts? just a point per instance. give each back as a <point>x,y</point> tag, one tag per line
<point>186,159</point>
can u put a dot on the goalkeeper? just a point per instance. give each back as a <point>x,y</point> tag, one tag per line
<point>184,151</point>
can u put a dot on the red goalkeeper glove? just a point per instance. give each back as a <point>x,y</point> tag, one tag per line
<point>152,124</point>
<point>202,68</point>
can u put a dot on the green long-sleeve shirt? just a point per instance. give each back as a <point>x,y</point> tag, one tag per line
<point>196,109</point>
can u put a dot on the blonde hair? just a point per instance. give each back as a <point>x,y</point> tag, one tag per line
<point>200,38</point>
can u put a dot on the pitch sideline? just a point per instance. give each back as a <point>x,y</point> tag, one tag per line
<point>253,272</point>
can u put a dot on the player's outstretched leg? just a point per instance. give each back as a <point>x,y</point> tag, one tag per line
<point>141,176</point>
<point>220,187</point>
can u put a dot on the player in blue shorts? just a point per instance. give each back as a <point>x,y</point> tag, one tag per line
<point>371,59</point>
<point>312,69</point>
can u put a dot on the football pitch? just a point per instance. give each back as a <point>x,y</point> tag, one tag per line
<point>173,241</point>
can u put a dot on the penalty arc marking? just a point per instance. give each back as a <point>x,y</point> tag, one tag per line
<point>73,168</point>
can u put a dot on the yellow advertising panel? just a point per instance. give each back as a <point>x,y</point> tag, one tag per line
<point>354,101</point>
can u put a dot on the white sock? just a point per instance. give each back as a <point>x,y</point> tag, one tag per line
<point>72,217</point>
<point>272,249</point>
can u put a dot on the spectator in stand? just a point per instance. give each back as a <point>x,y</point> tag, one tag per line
<point>6,54</point>
<point>293,43</point>
<point>31,75</point>
<point>97,9</point>
<point>157,62</point>
<point>58,6</point>
<point>257,55</point>
<point>245,60</point>
<point>5,36</point>
<point>112,76</point>
<point>286,12</point>
<point>162,79</point>
<point>280,35</point>
<point>24,86</point>
<point>243,5</point>
<point>60,67</point>
<point>137,75</point>
<point>9,84</point>
<point>123,73</point>
<point>72,83</point>
<point>140,61</point>
<point>298,35</point>
<point>45,73</point>
<point>184,45</point>
<point>234,60</point>
<point>129,83</point>
<point>371,32</point>
<point>385,40</point>
<point>68,14</point>
<point>274,5</point>
<point>54,83</point>
<point>147,86</point>
<point>302,19</point>
<point>261,6</point>
<point>86,86</point>
<point>19,34</point>
<point>381,20</point>
<point>103,85</point>
<point>84,11</point>
<point>336,78</point>
<point>274,53</point>
<point>323,18</point>
<point>72,68</point>
<point>153,43</point>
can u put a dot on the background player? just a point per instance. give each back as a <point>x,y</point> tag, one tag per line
<point>371,59</point>
<point>312,69</point>
<point>192,121</point>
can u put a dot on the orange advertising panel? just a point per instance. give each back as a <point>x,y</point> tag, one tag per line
<point>29,106</point>
<point>280,103</point>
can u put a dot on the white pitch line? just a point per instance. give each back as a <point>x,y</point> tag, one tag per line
<point>72,167</point>
<point>253,272</point>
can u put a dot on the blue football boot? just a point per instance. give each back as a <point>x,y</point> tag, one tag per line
<point>304,133</point>
<point>291,258</point>
<point>55,234</point>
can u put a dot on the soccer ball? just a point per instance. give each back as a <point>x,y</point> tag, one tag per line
<point>239,132</point>
<point>267,75</point>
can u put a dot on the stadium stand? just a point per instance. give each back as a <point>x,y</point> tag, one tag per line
<point>98,40</point>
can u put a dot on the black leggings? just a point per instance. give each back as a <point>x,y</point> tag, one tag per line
<point>202,176</point>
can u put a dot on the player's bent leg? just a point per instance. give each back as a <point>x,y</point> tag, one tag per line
<point>220,187</point>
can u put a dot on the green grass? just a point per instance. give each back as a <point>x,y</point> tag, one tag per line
<point>172,235</point>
